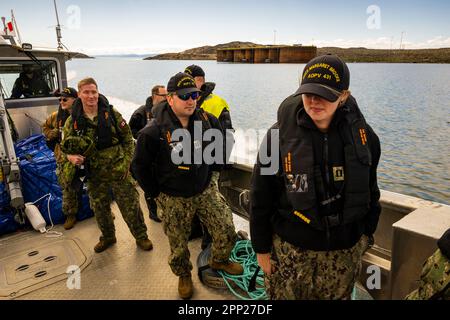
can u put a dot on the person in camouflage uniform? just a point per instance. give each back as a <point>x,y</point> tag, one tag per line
<point>52,129</point>
<point>106,166</point>
<point>183,189</point>
<point>218,107</point>
<point>334,279</point>
<point>434,281</point>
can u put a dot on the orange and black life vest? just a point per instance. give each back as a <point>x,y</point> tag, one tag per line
<point>301,176</point>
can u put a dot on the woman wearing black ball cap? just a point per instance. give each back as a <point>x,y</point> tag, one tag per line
<point>313,215</point>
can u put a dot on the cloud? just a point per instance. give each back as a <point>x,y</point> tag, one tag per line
<point>385,43</point>
<point>437,42</point>
<point>154,48</point>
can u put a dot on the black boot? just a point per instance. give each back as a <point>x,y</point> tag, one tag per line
<point>152,209</point>
<point>206,239</point>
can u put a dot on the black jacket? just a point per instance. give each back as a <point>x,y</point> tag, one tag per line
<point>269,198</point>
<point>29,88</point>
<point>152,164</point>
<point>140,117</point>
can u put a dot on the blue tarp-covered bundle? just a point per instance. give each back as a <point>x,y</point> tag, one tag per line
<point>38,173</point>
<point>7,222</point>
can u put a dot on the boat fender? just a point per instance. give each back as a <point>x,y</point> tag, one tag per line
<point>35,217</point>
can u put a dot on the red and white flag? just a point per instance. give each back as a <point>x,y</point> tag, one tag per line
<point>10,29</point>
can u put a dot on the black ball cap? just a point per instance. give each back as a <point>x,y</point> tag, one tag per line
<point>325,76</point>
<point>181,83</point>
<point>195,71</point>
<point>68,92</point>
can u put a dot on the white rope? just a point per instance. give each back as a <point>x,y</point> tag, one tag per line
<point>48,232</point>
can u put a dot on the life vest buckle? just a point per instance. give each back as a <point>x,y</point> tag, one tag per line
<point>333,220</point>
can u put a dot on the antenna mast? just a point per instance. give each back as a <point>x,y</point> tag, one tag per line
<point>401,39</point>
<point>13,18</point>
<point>58,29</point>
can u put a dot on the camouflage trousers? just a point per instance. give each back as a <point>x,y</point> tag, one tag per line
<point>71,197</point>
<point>434,279</point>
<point>127,198</point>
<point>177,214</point>
<point>313,275</point>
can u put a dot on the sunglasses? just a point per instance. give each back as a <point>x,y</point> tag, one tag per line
<point>63,99</point>
<point>192,95</point>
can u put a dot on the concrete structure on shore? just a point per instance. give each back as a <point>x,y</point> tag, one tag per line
<point>267,54</point>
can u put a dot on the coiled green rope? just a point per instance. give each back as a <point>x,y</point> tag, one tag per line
<point>243,254</point>
<point>251,284</point>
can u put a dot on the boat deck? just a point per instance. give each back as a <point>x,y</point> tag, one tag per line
<point>123,271</point>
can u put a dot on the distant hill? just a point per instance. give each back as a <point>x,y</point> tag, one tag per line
<point>79,55</point>
<point>385,55</point>
<point>201,53</point>
<point>348,54</point>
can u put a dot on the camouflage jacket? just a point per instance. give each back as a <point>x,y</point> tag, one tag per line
<point>110,163</point>
<point>434,280</point>
<point>51,132</point>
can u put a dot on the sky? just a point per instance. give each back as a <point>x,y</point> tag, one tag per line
<point>142,27</point>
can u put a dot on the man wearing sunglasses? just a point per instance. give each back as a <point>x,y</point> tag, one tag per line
<point>52,129</point>
<point>184,188</point>
<point>140,118</point>
<point>218,107</point>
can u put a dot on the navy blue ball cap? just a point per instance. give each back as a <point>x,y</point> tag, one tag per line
<point>182,83</point>
<point>325,76</point>
<point>68,92</point>
<point>195,71</point>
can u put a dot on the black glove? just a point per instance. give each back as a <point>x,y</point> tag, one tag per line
<point>153,209</point>
<point>151,204</point>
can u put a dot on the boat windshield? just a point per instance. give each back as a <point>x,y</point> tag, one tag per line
<point>28,79</point>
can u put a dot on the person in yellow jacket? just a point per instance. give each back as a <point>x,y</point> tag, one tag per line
<point>209,101</point>
<point>218,107</point>
<point>52,129</point>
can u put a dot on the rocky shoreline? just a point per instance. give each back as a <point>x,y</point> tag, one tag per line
<point>348,54</point>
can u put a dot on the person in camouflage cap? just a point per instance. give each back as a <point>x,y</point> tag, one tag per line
<point>107,165</point>
<point>434,281</point>
<point>52,129</point>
